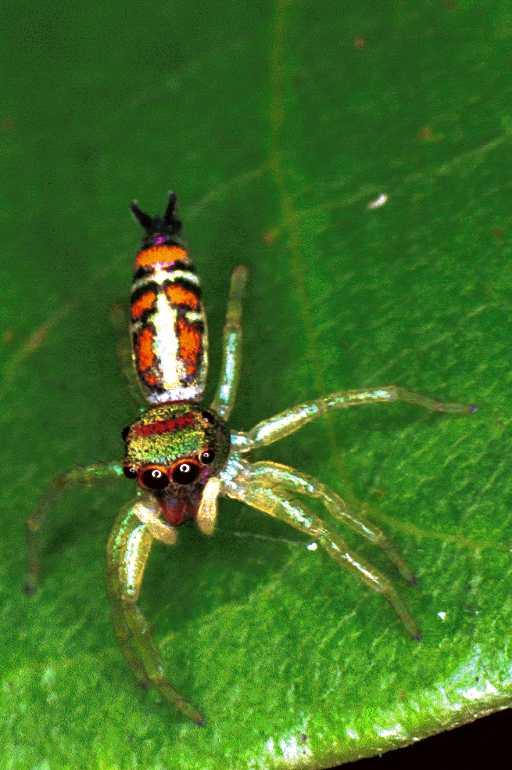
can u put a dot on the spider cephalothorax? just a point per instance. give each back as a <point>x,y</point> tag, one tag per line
<point>173,451</point>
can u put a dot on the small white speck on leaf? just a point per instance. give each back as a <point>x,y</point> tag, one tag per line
<point>48,677</point>
<point>379,201</point>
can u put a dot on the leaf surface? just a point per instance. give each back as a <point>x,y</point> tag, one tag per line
<point>354,156</point>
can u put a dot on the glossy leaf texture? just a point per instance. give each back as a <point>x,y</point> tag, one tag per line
<point>355,155</point>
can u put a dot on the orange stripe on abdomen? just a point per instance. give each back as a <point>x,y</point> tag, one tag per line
<point>145,352</point>
<point>146,362</point>
<point>181,295</point>
<point>161,255</point>
<point>143,303</point>
<point>190,342</point>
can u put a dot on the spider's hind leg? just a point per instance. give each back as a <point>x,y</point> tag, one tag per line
<point>224,399</point>
<point>269,497</point>
<point>121,321</point>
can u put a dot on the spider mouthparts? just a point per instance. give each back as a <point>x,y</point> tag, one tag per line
<point>177,510</point>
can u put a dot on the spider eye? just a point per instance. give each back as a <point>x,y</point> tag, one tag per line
<point>154,478</point>
<point>185,473</point>
<point>130,472</point>
<point>207,457</point>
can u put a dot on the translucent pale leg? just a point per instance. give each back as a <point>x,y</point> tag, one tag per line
<point>271,500</point>
<point>273,475</point>
<point>128,550</point>
<point>121,322</point>
<point>35,523</point>
<point>282,424</point>
<point>224,399</point>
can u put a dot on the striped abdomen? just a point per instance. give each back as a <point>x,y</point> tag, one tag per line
<point>168,324</point>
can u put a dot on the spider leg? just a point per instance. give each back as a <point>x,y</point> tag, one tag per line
<point>121,323</point>
<point>128,550</point>
<point>224,399</point>
<point>271,474</point>
<point>248,488</point>
<point>282,424</point>
<point>35,523</point>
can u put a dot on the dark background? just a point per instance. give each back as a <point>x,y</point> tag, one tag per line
<point>485,743</point>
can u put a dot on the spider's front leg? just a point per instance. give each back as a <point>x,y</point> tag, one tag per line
<point>128,550</point>
<point>87,475</point>
<point>259,488</point>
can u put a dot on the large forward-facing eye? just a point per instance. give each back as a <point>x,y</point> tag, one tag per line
<point>154,478</point>
<point>185,472</point>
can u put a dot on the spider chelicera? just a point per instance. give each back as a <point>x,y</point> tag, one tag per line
<point>183,456</point>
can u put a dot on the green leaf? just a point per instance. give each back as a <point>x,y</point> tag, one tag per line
<point>279,126</point>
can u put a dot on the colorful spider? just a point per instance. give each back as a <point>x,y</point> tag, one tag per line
<point>183,456</point>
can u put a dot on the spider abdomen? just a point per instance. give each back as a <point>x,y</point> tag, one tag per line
<point>168,324</point>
